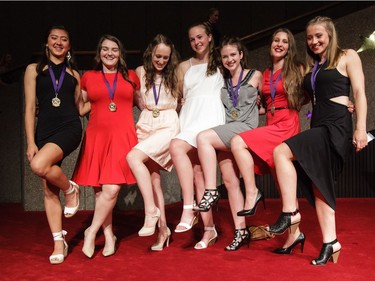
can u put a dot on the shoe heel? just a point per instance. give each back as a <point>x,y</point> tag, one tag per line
<point>335,256</point>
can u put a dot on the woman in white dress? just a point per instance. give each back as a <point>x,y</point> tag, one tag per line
<point>200,81</point>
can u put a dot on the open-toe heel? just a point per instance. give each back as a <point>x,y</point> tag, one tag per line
<point>201,244</point>
<point>187,226</point>
<point>241,237</point>
<point>326,253</point>
<point>252,211</point>
<point>59,258</point>
<point>284,222</point>
<point>210,197</point>
<point>158,246</point>
<point>71,211</point>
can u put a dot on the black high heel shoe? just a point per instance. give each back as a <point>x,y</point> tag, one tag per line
<point>326,253</point>
<point>210,197</point>
<point>241,237</point>
<point>284,222</point>
<point>286,251</point>
<point>252,211</point>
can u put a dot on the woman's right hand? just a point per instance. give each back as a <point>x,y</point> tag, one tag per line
<point>32,149</point>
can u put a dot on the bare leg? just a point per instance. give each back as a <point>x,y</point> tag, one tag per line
<point>54,213</point>
<point>245,163</point>
<point>43,165</point>
<point>207,217</point>
<point>229,172</point>
<point>180,151</point>
<point>137,160</point>
<point>326,218</point>
<point>105,201</point>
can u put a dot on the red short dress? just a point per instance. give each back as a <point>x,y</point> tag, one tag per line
<point>280,126</point>
<point>109,135</point>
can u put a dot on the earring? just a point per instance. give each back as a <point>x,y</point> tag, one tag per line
<point>68,56</point>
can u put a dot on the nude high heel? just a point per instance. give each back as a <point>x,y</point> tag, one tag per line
<point>88,251</point>
<point>71,211</point>
<point>148,231</point>
<point>110,251</point>
<point>59,258</point>
<point>158,246</point>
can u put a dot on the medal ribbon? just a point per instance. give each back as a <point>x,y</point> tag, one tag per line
<point>156,96</point>
<point>234,93</point>
<point>314,73</point>
<point>274,86</point>
<point>111,90</point>
<point>57,86</point>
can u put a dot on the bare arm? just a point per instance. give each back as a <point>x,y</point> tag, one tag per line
<point>30,105</point>
<point>356,76</point>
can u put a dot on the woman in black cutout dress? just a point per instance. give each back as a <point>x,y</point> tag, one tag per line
<point>320,152</point>
<point>58,131</point>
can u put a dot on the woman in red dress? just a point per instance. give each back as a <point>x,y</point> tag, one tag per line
<point>108,91</point>
<point>253,149</point>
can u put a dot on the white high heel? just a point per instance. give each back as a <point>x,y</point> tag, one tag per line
<point>59,258</point>
<point>71,211</point>
<point>187,226</point>
<point>201,244</point>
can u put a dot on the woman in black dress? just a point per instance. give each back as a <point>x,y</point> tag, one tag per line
<point>319,153</point>
<point>54,83</point>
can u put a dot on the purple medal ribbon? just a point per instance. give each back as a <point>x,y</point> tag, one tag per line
<point>57,85</point>
<point>234,93</point>
<point>314,73</point>
<point>156,97</point>
<point>112,90</point>
<point>274,86</point>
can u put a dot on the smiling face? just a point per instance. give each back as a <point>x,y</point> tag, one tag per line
<point>317,39</point>
<point>58,44</point>
<point>109,55</point>
<point>199,40</point>
<point>231,57</point>
<point>280,45</point>
<point>160,56</point>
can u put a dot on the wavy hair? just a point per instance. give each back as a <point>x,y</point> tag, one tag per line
<point>44,59</point>
<point>213,57</point>
<point>292,74</point>
<point>235,41</point>
<point>121,64</point>
<point>169,71</point>
<point>334,52</point>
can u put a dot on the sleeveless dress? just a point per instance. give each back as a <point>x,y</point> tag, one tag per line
<point>283,124</point>
<point>246,109</point>
<point>109,135</point>
<point>321,150</point>
<point>155,133</point>
<point>59,125</point>
<point>203,108</point>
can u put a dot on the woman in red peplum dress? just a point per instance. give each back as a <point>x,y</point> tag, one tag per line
<point>108,92</point>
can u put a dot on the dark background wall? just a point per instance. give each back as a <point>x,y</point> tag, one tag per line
<point>22,26</point>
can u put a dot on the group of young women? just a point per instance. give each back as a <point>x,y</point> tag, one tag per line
<point>194,114</point>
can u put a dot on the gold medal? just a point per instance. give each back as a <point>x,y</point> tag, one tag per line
<point>272,109</point>
<point>56,102</point>
<point>234,114</point>
<point>155,112</point>
<point>112,107</point>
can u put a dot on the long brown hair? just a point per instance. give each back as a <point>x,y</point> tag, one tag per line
<point>292,73</point>
<point>169,71</point>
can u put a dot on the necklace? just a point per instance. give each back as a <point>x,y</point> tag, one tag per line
<point>156,111</point>
<point>56,102</point>
<point>314,73</point>
<point>111,90</point>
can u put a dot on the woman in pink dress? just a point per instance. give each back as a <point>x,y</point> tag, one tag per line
<point>157,125</point>
<point>108,91</point>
